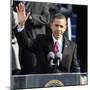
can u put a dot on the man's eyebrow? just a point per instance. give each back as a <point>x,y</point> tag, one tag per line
<point>58,25</point>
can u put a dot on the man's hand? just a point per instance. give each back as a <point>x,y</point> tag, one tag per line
<point>21,12</point>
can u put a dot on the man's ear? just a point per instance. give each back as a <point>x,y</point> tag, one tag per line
<point>66,26</point>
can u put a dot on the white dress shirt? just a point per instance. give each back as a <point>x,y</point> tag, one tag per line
<point>60,41</point>
<point>20,28</point>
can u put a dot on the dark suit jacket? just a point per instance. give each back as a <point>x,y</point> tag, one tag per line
<point>42,45</point>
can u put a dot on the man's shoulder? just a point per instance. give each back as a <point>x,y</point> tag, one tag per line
<point>70,42</point>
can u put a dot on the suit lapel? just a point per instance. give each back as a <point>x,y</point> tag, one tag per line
<point>64,50</point>
<point>65,45</point>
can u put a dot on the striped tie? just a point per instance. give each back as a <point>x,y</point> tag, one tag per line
<point>56,47</point>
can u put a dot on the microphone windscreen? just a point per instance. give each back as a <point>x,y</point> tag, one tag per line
<point>59,55</point>
<point>51,55</point>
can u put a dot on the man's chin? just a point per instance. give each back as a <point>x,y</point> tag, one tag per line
<point>57,37</point>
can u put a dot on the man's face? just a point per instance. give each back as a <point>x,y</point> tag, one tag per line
<point>58,27</point>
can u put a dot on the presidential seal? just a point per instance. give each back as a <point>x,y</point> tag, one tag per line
<point>54,83</point>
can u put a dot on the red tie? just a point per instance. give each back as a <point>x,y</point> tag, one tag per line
<point>56,47</point>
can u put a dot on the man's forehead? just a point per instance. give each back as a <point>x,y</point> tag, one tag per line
<point>56,20</point>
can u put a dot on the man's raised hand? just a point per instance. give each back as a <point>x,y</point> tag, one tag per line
<point>21,12</point>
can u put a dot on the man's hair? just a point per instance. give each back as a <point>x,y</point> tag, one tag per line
<point>57,16</point>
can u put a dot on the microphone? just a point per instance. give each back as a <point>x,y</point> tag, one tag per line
<point>51,57</point>
<point>58,58</point>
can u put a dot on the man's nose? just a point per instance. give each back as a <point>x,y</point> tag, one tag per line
<point>59,28</point>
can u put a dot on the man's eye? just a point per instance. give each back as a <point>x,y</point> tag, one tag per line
<point>61,26</point>
<point>56,25</point>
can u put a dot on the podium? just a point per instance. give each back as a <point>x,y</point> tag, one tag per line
<point>44,80</point>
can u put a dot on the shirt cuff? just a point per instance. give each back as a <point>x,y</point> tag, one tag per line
<point>20,28</point>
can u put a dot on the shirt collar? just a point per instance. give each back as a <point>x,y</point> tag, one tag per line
<point>59,40</point>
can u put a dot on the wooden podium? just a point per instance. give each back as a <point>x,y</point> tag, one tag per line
<point>45,80</point>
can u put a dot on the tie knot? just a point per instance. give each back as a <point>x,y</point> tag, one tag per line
<point>56,43</point>
<point>56,47</point>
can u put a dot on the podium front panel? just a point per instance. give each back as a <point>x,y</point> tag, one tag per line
<point>45,80</point>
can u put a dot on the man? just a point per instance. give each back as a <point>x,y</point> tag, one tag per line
<point>35,24</point>
<point>44,44</point>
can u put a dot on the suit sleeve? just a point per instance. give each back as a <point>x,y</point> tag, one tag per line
<point>25,41</point>
<point>75,65</point>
